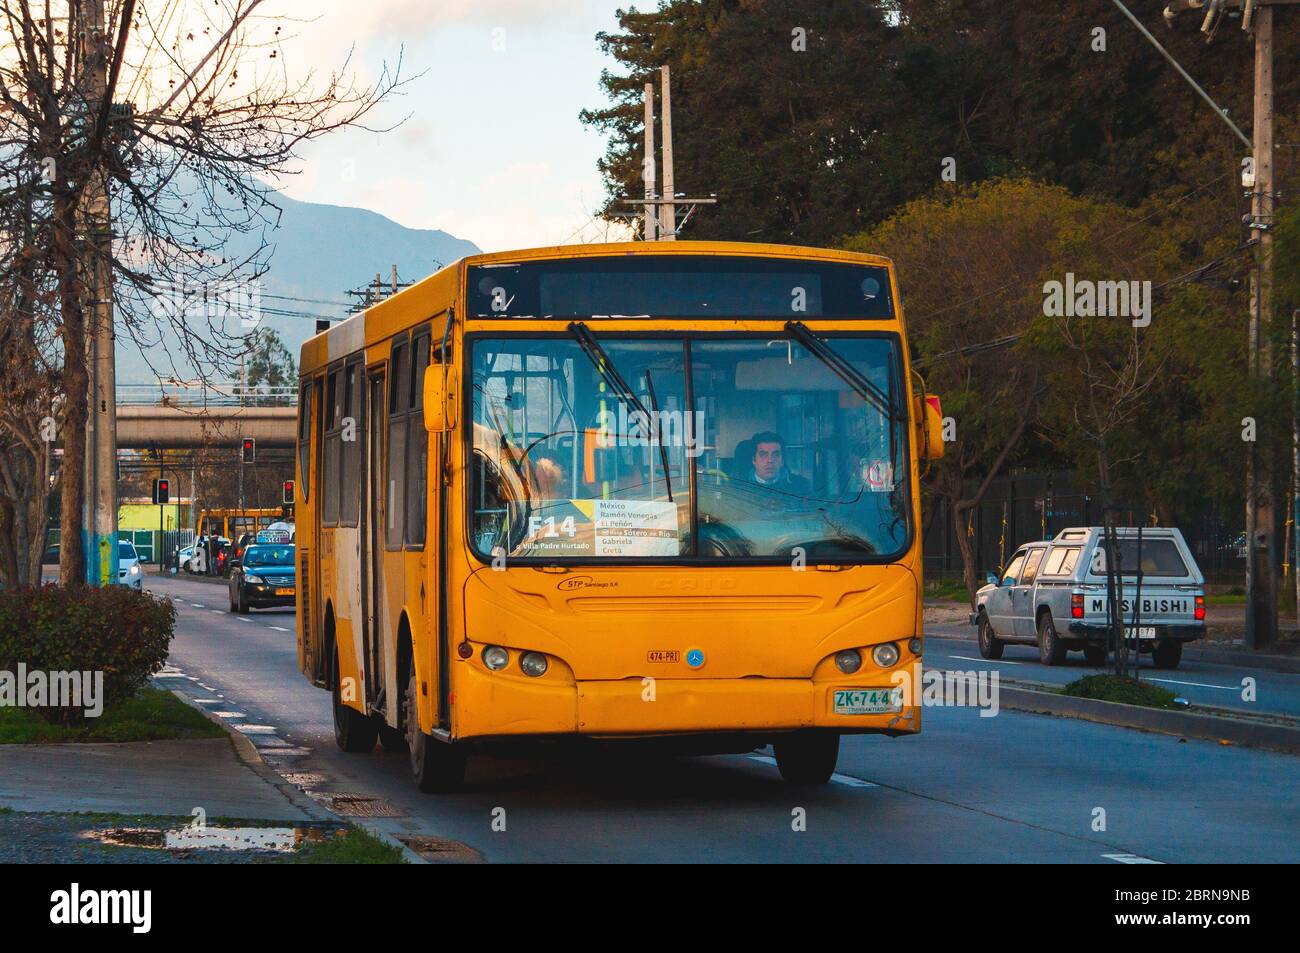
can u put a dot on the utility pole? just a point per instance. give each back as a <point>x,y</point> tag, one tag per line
<point>1261,532</point>
<point>667,213</point>
<point>100,514</point>
<point>659,215</point>
<point>1261,509</point>
<point>651,233</point>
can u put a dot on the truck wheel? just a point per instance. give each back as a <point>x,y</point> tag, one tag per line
<point>353,731</point>
<point>1094,654</point>
<point>1051,650</point>
<point>990,647</point>
<point>1167,654</point>
<point>437,766</point>
<point>807,758</point>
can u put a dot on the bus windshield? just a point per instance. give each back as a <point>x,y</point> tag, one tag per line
<point>705,448</point>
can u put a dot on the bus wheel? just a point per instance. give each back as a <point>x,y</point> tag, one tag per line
<point>353,731</point>
<point>1051,650</point>
<point>393,739</point>
<point>437,766</point>
<point>1094,654</point>
<point>807,757</point>
<point>1167,654</point>
<point>990,647</point>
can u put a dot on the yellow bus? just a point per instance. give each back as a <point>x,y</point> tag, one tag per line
<point>657,491</point>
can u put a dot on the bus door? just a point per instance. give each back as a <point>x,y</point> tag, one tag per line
<point>373,517</point>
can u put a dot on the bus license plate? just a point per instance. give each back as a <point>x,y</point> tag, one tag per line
<point>868,701</point>
<point>284,592</point>
<point>1143,632</point>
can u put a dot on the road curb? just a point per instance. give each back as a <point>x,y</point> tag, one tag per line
<point>251,757</point>
<point>1186,724</point>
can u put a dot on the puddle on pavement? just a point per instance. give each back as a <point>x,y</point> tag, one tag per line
<point>441,850</point>
<point>273,839</point>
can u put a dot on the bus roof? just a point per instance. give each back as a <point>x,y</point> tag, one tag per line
<point>431,296</point>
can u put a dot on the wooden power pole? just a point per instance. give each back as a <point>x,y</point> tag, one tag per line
<point>100,514</point>
<point>1261,510</point>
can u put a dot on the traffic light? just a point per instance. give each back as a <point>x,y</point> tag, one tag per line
<point>288,493</point>
<point>161,492</point>
<point>250,449</point>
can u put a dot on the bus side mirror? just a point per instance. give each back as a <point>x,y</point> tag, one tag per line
<point>439,398</point>
<point>928,418</point>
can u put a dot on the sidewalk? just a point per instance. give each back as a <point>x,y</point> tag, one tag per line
<point>139,777</point>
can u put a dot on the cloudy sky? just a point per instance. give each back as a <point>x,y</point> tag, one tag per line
<point>491,148</point>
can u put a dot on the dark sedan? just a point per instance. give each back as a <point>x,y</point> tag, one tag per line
<point>264,577</point>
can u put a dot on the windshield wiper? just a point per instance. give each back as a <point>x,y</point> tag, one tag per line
<point>865,389</point>
<point>604,365</point>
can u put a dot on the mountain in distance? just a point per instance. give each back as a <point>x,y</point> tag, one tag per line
<point>318,252</point>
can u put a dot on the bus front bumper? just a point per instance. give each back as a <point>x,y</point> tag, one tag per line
<point>489,705</point>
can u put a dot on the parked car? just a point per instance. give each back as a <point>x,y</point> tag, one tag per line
<point>129,571</point>
<point>266,576</point>
<point>1053,594</point>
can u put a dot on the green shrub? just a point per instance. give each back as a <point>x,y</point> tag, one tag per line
<point>115,630</point>
<point>1113,688</point>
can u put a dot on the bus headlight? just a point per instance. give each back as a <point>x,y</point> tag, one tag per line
<point>496,658</point>
<point>848,661</point>
<point>253,580</point>
<point>533,664</point>
<point>885,654</point>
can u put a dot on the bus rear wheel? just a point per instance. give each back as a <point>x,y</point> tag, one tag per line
<point>436,766</point>
<point>353,731</point>
<point>807,757</point>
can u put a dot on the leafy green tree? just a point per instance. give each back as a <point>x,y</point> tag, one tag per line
<point>787,109</point>
<point>270,366</point>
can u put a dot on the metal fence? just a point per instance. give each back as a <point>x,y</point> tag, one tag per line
<point>1022,507</point>
<point>206,395</point>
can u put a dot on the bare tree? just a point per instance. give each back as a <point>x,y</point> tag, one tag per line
<point>141,136</point>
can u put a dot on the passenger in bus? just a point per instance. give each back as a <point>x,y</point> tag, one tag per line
<point>550,477</point>
<point>768,469</point>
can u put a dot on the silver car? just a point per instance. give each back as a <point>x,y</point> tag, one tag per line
<point>1053,594</point>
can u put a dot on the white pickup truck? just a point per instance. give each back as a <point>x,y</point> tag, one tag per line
<point>1053,594</point>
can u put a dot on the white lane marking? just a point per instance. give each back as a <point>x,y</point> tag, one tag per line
<point>1131,859</point>
<point>229,714</point>
<point>217,611</point>
<point>1174,681</point>
<point>198,605</point>
<point>843,779</point>
<point>256,729</point>
<point>206,688</point>
<point>278,629</point>
<point>967,658</point>
<point>242,619</point>
<point>209,701</point>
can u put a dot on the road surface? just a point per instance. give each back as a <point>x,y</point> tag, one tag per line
<point>1010,788</point>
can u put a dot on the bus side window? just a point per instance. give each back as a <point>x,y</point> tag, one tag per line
<point>333,422</point>
<point>351,426</point>
<point>304,440</point>
<point>417,443</point>
<point>398,396</point>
